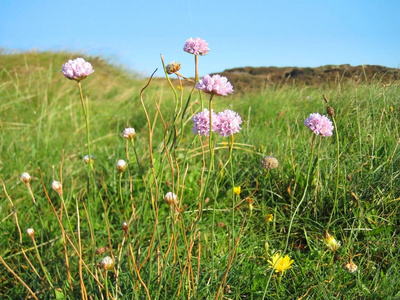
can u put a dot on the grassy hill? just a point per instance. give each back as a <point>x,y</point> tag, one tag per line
<point>213,242</point>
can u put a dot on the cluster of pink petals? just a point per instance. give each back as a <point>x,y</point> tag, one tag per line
<point>196,46</point>
<point>201,122</point>
<point>216,85</point>
<point>320,125</point>
<point>228,123</point>
<point>77,69</point>
<point>224,123</point>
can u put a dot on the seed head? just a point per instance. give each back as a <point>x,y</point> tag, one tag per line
<point>330,111</point>
<point>269,162</point>
<point>107,263</point>
<point>350,267</point>
<point>173,67</point>
<point>26,178</point>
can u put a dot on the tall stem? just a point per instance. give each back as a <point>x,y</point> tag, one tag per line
<point>304,193</point>
<point>87,127</point>
<point>337,172</point>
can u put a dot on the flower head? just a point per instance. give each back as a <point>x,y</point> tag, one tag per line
<point>237,190</point>
<point>215,85</point>
<point>196,46</point>
<point>87,160</point>
<point>228,122</point>
<point>121,165</point>
<point>170,198</point>
<point>350,267</point>
<point>107,263</point>
<point>319,124</point>
<point>77,69</point>
<point>173,67</point>
<point>201,122</point>
<point>269,162</point>
<point>129,133</point>
<point>25,178</point>
<point>30,232</point>
<point>331,242</point>
<point>269,218</point>
<point>280,263</point>
<point>57,186</point>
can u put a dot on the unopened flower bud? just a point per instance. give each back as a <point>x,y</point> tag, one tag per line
<point>30,232</point>
<point>173,67</point>
<point>170,198</point>
<point>86,159</point>
<point>26,178</point>
<point>269,162</point>
<point>331,242</point>
<point>330,111</point>
<point>107,263</point>
<point>125,227</point>
<point>57,186</point>
<point>129,133</point>
<point>121,165</point>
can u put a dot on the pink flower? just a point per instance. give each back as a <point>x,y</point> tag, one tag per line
<point>319,124</point>
<point>196,46</point>
<point>228,123</point>
<point>216,85</point>
<point>77,69</point>
<point>201,122</point>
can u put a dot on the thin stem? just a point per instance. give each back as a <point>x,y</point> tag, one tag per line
<point>335,203</point>
<point>46,273</point>
<point>87,130</point>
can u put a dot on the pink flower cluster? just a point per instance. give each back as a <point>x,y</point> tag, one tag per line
<point>224,123</point>
<point>77,69</point>
<point>196,46</point>
<point>319,125</point>
<point>216,85</point>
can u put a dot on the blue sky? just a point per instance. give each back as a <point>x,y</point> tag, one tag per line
<point>240,33</point>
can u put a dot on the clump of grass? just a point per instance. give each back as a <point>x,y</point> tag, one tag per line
<point>208,238</point>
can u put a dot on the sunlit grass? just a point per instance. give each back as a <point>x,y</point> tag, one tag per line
<point>173,251</point>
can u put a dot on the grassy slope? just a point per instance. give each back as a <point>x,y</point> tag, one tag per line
<point>41,118</point>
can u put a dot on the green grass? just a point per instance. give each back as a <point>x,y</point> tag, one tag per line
<point>222,252</point>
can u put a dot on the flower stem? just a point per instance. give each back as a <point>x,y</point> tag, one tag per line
<point>337,171</point>
<point>87,127</point>
<point>304,193</point>
<point>46,273</point>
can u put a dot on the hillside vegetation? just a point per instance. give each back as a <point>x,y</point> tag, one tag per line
<point>216,241</point>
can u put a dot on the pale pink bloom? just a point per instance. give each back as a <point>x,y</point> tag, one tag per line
<point>320,125</point>
<point>228,122</point>
<point>129,133</point>
<point>201,122</point>
<point>216,85</point>
<point>77,69</point>
<point>196,46</point>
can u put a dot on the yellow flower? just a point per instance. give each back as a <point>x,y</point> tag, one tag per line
<point>237,190</point>
<point>391,108</point>
<point>269,218</point>
<point>331,242</point>
<point>280,263</point>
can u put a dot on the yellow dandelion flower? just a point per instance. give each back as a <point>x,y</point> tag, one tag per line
<point>269,218</point>
<point>331,242</point>
<point>391,108</point>
<point>237,190</point>
<point>280,263</point>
